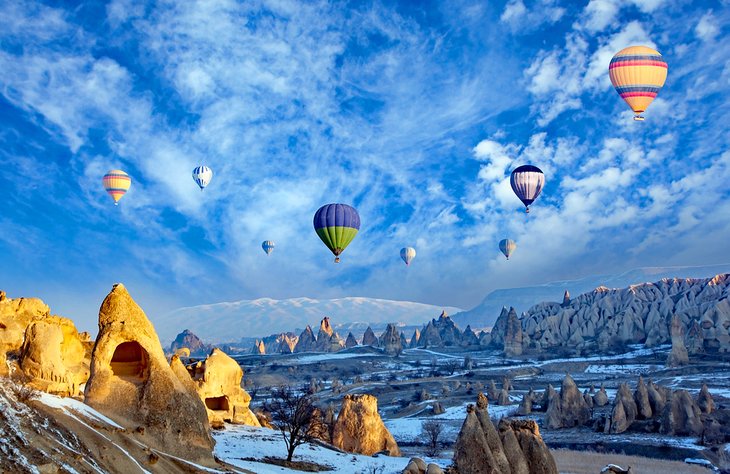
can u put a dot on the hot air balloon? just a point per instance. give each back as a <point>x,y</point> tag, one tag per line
<point>637,73</point>
<point>527,182</point>
<point>336,225</point>
<point>507,246</point>
<point>202,176</point>
<point>268,246</point>
<point>408,254</point>
<point>116,183</point>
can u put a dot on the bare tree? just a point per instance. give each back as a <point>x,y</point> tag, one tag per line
<point>293,413</point>
<point>431,431</point>
<point>452,365</point>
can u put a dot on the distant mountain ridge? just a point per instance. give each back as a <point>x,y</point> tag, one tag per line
<point>233,321</point>
<point>485,314</point>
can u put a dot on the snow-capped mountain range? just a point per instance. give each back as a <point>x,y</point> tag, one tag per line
<point>485,314</point>
<point>233,321</point>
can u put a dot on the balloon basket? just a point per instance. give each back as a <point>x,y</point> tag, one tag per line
<point>638,118</point>
<point>337,259</point>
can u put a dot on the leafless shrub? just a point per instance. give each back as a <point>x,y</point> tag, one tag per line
<point>431,430</point>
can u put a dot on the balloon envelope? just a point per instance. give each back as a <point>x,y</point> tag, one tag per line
<point>507,246</point>
<point>336,225</point>
<point>116,183</point>
<point>638,73</point>
<point>202,176</point>
<point>527,182</point>
<point>268,246</point>
<point>408,254</point>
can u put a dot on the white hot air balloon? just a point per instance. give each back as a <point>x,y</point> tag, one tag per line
<point>408,254</point>
<point>202,176</point>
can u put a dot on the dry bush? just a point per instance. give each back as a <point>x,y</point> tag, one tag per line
<point>20,388</point>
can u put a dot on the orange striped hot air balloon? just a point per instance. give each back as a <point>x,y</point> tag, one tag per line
<point>637,73</point>
<point>116,183</point>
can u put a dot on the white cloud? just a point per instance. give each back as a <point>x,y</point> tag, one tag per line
<point>707,28</point>
<point>521,19</point>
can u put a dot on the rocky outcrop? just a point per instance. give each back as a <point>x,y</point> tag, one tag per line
<point>705,401</point>
<point>132,382</point>
<point>641,397</point>
<point>359,428</point>
<point>624,410</point>
<point>440,332</point>
<point>678,356</point>
<point>512,335</point>
<point>350,341</point>
<point>681,416</point>
<point>306,342</point>
<point>16,314</point>
<point>282,343</point>
<point>327,339</point>
<point>369,338</point>
<point>390,340</point>
<point>54,357</point>
<point>566,299</point>
<point>607,318</point>
<point>218,383</point>
<point>258,348</point>
<point>500,327</point>
<point>694,340</point>
<point>414,339</point>
<point>191,341</point>
<point>569,408</point>
<point>469,339</point>
<point>517,448</point>
<point>600,399</point>
<point>525,407</point>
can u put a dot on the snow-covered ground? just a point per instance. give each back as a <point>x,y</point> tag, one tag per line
<point>71,405</point>
<point>619,369</point>
<point>246,447</point>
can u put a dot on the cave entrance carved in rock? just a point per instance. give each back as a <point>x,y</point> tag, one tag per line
<point>217,403</point>
<point>131,362</point>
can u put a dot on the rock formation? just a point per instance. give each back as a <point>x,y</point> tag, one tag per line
<point>414,339</point>
<point>694,340</point>
<point>503,398</point>
<point>500,327</point>
<point>641,397</point>
<point>403,341</point>
<point>512,335</point>
<point>566,299</point>
<point>258,348</point>
<point>525,407</point>
<point>390,340</point>
<point>359,428</point>
<point>15,316</point>
<point>600,399</point>
<point>191,341</point>
<point>327,339</point>
<point>440,332</point>
<point>132,383</point>
<point>657,398</point>
<point>517,448</point>
<point>350,341</point>
<point>705,401</point>
<point>569,408</point>
<point>306,342</point>
<point>281,343</point>
<point>681,416</point>
<point>678,356</point>
<point>54,357</point>
<point>624,410</point>
<point>369,338</point>
<point>218,383</point>
<point>469,339</point>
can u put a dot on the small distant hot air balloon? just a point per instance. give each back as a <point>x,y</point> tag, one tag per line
<point>507,246</point>
<point>408,254</point>
<point>116,183</point>
<point>202,176</point>
<point>527,182</point>
<point>336,225</point>
<point>268,246</point>
<point>638,73</point>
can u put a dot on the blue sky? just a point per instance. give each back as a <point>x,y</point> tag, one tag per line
<point>413,112</point>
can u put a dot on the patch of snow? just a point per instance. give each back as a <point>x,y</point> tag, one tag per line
<point>71,404</point>
<point>328,356</point>
<point>621,369</point>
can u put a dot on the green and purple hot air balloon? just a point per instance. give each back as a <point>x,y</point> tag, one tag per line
<point>336,225</point>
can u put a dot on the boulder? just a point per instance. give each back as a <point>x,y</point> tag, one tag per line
<point>503,399</point>
<point>390,340</point>
<point>191,341</point>
<point>359,428</point>
<point>54,357</point>
<point>492,391</point>
<point>350,341</point>
<point>415,466</point>
<point>600,399</point>
<point>434,469</point>
<point>218,383</point>
<point>132,383</point>
<point>369,338</point>
<point>525,407</point>
<point>705,401</point>
<point>678,356</point>
<point>437,408</point>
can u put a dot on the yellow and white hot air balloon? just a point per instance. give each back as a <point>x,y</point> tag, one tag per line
<point>116,183</point>
<point>638,73</point>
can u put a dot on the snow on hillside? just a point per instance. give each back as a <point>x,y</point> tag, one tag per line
<point>229,322</point>
<point>485,314</point>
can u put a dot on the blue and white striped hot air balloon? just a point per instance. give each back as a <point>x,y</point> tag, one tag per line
<point>527,182</point>
<point>202,176</point>
<point>268,246</point>
<point>408,254</point>
<point>507,246</point>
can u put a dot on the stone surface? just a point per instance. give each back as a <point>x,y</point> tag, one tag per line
<point>624,411</point>
<point>678,356</point>
<point>54,357</point>
<point>369,338</point>
<point>132,382</point>
<point>568,408</point>
<point>390,340</point>
<point>327,339</point>
<point>350,341</point>
<point>258,348</point>
<point>191,341</point>
<point>15,316</point>
<point>306,342</point>
<point>414,339</point>
<point>705,401</point>
<point>218,384</point>
<point>681,415</point>
<point>359,428</point>
<point>600,399</point>
<point>641,397</point>
<point>512,335</point>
